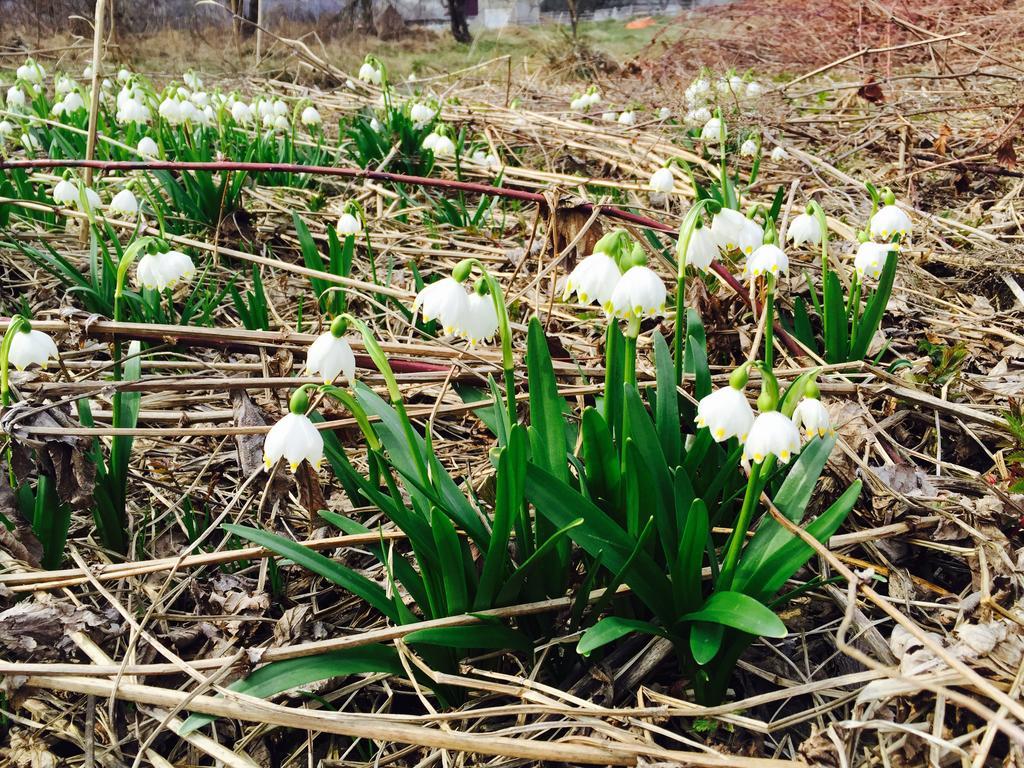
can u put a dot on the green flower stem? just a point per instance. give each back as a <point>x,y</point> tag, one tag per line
<point>127,259</point>
<point>18,323</point>
<point>376,353</point>
<point>722,158</point>
<point>769,329</point>
<point>686,231</point>
<point>632,331</point>
<point>739,533</point>
<point>347,400</point>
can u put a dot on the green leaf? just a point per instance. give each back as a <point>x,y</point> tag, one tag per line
<point>449,555</point>
<point>279,676</point>
<point>547,423</point>
<point>705,641</point>
<point>322,566</point>
<point>874,309</point>
<point>659,500</point>
<point>836,330</point>
<point>739,611</point>
<point>509,505</point>
<point>610,629</point>
<point>600,536</point>
<point>489,635</point>
<point>600,458</point>
<point>667,403</point>
<point>687,572</point>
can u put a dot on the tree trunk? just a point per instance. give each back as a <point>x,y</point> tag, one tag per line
<point>460,27</point>
<point>252,13</point>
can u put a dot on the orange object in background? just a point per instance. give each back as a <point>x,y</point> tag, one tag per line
<point>642,23</point>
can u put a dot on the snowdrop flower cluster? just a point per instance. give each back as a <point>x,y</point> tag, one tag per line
<point>617,279</point>
<point>163,270</point>
<point>438,142</point>
<point>488,160</point>
<point>369,73</point>
<point>470,316</point>
<point>583,102</point>
<point>65,193</point>
<point>71,103</point>
<point>627,118</point>
<point>697,117</point>
<point>735,232</point>
<point>132,107</point>
<point>31,72</point>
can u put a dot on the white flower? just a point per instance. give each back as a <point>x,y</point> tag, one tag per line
<point>330,355</point>
<point>772,434</point>
<point>445,301</point>
<point>734,231</point>
<point>639,293</point>
<point>281,123</point>
<point>192,80</point>
<point>370,74</point>
<point>6,129</point>
<point>430,140</point>
<point>593,279</point>
<point>697,91</point>
<point>726,413</point>
<point>170,110</point>
<point>712,131</point>
<point>489,161</point>
<point>804,229</point>
<point>479,321</point>
<point>350,84</point>
<point>736,85</point>
<point>627,118</point>
<point>811,417</point>
<point>593,98</point>
<point>444,147</point>
<point>73,102</point>
<point>310,116</point>
<point>698,116</point>
<point>702,249</point>
<point>132,111</point>
<point>29,347</point>
<point>92,199</point>
<point>579,104</point>
<point>870,259</point>
<point>779,154</point>
<point>200,99</point>
<point>609,117</point>
<point>664,113</point>
<point>748,148</point>
<point>87,72</point>
<point>769,259</point>
<point>280,108</point>
<point>31,142</point>
<point>722,85</point>
<point>123,75</point>
<point>349,224</point>
<point>63,84</point>
<point>421,115</point>
<point>31,72</point>
<point>663,181</point>
<point>124,202</point>
<point>754,89</point>
<point>295,438</point>
<point>187,112</point>
<point>890,220</point>
<point>241,113</point>
<point>164,270</point>
<point>15,97</point>
<point>374,125</point>
<point>148,148</point>
<point>65,193</point>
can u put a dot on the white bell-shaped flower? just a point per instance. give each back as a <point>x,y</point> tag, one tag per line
<point>754,90</point>
<point>593,279</point>
<point>698,91</point>
<point>6,129</point>
<point>31,72</point>
<point>349,224</point>
<point>804,229</point>
<point>579,104</point>
<point>769,259</point>
<point>664,113</point>
<point>639,293</point>
<point>148,148</point>
<point>123,75</point>
<point>241,113</point>
<point>73,102</point>
<point>430,140</point>
<point>870,259</point>
<point>779,154</point>
<point>890,220</point>
<point>330,355</point>
<point>280,109</point>
<point>697,117</point>
<point>294,438</point>
<point>310,116</point>
<point>445,301</point>
<point>772,434</point>
<point>662,180</point>
<point>164,270</point>
<point>726,413</point>
<point>735,232</point>
<point>627,118</point>
<point>15,97</point>
<point>282,124</point>
<point>124,202</point>
<point>65,193</point>
<point>593,98</point>
<point>421,115</point>
<point>712,131</point>
<point>28,347</point>
<point>92,199</point>
<point>170,110</point>
<point>812,418</point>
<point>479,321</point>
<point>748,148</point>
<point>609,117</point>
<point>702,249</point>
<point>444,147</point>
<point>370,74</point>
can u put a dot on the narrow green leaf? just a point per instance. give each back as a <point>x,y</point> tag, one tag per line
<point>667,405</point>
<point>488,635</point>
<point>739,611</point>
<point>610,629</point>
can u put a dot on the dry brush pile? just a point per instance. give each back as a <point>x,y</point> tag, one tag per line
<point>548,525</point>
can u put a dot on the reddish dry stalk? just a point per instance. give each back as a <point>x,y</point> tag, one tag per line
<point>396,178</point>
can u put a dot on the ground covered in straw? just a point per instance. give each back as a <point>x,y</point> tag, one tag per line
<point>912,655</point>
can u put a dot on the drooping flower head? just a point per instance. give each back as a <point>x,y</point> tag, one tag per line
<point>294,437</point>
<point>595,277</point>
<point>735,232</point>
<point>804,229</point>
<point>702,248</point>
<point>726,412</point>
<point>769,259</point>
<point>479,321</point>
<point>161,269</point>
<point>330,354</point>
<point>772,433</point>
<point>29,346</point>
<point>810,416</point>
<point>445,301</point>
<point>640,292</point>
<point>870,258</point>
<point>662,180</point>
